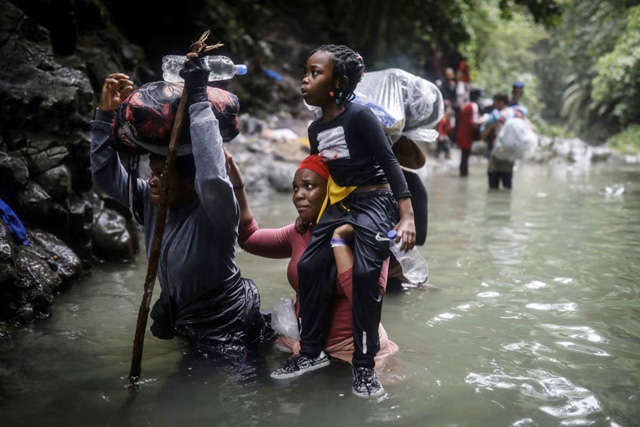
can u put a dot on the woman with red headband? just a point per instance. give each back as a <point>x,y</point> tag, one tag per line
<point>309,191</point>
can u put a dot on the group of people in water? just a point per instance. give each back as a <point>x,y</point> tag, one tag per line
<point>350,189</point>
<point>465,122</point>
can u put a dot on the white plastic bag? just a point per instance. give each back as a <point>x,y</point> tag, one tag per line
<point>406,101</point>
<point>514,139</point>
<point>284,320</point>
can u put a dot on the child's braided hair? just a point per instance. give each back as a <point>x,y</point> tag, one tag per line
<point>346,63</point>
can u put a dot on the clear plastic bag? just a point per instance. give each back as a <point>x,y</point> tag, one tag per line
<point>514,140</point>
<point>284,320</point>
<point>410,102</point>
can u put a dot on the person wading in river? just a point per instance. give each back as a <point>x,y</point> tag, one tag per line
<point>203,295</point>
<point>309,191</point>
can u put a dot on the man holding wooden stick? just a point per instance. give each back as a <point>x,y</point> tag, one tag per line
<point>203,295</point>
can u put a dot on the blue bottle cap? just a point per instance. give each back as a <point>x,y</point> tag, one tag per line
<point>392,234</point>
<point>241,69</point>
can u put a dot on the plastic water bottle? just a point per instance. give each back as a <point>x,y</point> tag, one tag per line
<point>414,266</point>
<point>222,68</point>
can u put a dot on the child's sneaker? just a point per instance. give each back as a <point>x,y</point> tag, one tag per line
<point>296,366</point>
<point>366,383</point>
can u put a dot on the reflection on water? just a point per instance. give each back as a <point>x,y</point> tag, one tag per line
<point>536,323</point>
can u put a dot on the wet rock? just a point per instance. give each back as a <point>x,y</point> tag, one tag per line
<point>251,125</point>
<point>34,270</point>
<point>7,269</point>
<point>111,238</point>
<point>13,172</point>
<point>60,257</point>
<point>56,182</point>
<point>42,161</point>
<point>255,179</point>
<point>35,202</point>
<point>25,313</point>
<point>30,275</point>
<point>33,290</point>
<point>79,162</point>
<point>281,175</point>
<point>81,225</point>
<point>46,104</point>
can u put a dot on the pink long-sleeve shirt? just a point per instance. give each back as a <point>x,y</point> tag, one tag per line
<point>285,242</point>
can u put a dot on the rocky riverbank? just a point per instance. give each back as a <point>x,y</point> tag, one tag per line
<point>46,103</point>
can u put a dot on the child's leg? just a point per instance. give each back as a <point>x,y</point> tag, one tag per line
<point>317,281</point>
<point>372,215</point>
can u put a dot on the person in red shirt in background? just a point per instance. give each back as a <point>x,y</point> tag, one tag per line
<point>468,123</point>
<point>445,131</point>
<point>464,70</point>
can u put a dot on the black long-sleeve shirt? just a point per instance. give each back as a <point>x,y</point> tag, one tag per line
<point>356,150</point>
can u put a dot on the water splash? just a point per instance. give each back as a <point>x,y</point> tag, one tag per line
<point>571,401</point>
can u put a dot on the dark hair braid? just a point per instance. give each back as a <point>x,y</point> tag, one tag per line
<point>346,63</point>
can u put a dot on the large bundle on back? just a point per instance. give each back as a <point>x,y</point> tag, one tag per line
<point>144,121</point>
<point>404,103</point>
<point>514,139</point>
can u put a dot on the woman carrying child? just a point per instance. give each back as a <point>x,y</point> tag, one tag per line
<point>348,137</point>
<point>309,191</point>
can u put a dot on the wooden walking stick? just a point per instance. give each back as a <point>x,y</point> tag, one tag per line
<point>199,48</point>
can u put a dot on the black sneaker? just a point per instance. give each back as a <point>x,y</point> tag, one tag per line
<point>366,383</point>
<point>296,366</point>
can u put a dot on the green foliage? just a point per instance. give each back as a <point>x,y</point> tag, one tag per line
<point>547,12</point>
<point>617,82</point>
<point>568,65</point>
<point>627,141</point>
<point>502,52</point>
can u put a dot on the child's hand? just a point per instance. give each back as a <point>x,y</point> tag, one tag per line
<point>406,229</point>
<point>115,90</point>
<point>233,171</point>
<point>345,231</point>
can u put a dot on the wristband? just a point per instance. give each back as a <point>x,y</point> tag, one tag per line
<point>238,187</point>
<point>336,242</point>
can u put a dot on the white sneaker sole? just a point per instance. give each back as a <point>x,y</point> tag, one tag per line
<point>300,372</point>
<point>367,396</point>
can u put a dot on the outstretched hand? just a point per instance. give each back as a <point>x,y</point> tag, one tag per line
<point>115,90</point>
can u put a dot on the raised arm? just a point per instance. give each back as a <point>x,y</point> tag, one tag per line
<point>211,183</point>
<point>108,173</point>
<point>235,177</point>
<point>270,243</point>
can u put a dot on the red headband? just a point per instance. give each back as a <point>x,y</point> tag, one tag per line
<point>316,164</point>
